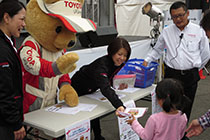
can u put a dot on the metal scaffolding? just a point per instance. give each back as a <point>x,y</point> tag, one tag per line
<point>100,11</point>
<point>90,10</point>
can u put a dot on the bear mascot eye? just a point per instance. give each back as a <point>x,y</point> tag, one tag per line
<point>58,29</point>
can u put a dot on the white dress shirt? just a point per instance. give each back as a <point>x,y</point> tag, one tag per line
<point>185,49</point>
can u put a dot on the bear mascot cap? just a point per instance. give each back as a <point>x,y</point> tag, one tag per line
<point>69,12</point>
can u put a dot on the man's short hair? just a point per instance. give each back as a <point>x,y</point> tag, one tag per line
<point>178,4</point>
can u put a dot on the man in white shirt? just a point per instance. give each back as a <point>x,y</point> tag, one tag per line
<point>187,50</point>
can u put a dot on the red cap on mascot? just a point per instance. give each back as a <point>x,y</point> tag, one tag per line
<point>69,12</point>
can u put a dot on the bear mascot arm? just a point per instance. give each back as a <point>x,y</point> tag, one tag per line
<point>33,63</point>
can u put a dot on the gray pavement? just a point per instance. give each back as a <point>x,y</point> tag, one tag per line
<point>201,105</point>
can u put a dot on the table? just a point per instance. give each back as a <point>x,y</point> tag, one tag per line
<point>54,124</point>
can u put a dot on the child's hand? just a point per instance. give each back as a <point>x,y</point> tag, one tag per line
<point>131,119</point>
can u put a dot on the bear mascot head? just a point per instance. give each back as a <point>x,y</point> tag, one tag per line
<point>52,25</point>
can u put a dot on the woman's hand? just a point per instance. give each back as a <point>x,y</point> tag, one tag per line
<point>20,134</point>
<point>123,86</point>
<point>119,109</point>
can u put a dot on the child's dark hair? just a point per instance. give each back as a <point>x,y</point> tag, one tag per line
<point>116,45</point>
<point>12,7</point>
<point>172,93</point>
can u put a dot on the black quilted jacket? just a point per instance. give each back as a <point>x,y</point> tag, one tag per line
<point>97,75</point>
<point>11,93</point>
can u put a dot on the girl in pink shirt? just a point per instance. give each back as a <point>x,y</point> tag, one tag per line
<point>169,124</point>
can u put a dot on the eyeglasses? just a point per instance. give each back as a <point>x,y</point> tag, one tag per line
<point>178,16</point>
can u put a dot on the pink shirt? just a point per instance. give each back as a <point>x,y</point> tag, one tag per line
<point>162,126</point>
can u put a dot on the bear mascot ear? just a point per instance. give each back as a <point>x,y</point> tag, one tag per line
<point>52,25</point>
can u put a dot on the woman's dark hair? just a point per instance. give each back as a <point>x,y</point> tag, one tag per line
<point>205,21</point>
<point>116,45</point>
<point>177,5</point>
<point>12,7</point>
<point>172,93</point>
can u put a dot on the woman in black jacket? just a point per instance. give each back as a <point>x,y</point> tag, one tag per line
<point>12,15</point>
<point>99,75</point>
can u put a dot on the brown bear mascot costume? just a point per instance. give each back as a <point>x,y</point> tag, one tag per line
<point>52,25</point>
